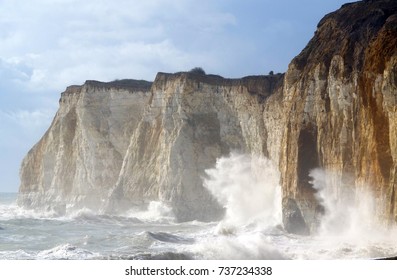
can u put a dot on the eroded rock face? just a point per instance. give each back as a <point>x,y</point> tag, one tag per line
<point>340,101</point>
<point>79,158</point>
<point>190,121</point>
<point>127,143</point>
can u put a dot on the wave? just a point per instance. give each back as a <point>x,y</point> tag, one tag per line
<point>67,252</point>
<point>250,245</point>
<point>155,212</point>
<point>150,256</point>
<point>16,255</point>
<point>248,188</point>
<point>170,238</point>
<point>13,211</point>
<point>88,215</point>
<point>60,252</point>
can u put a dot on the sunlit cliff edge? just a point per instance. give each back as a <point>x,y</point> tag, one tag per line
<point>117,145</point>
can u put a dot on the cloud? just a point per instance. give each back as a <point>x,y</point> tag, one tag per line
<point>64,42</point>
<point>14,71</point>
<point>31,120</point>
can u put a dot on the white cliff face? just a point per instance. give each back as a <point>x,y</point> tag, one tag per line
<point>113,148</point>
<point>80,156</point>
<point>189,123</point>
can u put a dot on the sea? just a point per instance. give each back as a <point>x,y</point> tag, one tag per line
<point>251,228</point>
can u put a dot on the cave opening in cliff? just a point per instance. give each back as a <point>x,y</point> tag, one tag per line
<point>307,160</point>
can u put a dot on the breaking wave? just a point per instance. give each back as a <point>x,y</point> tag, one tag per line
<point>248,188</point>
<point>156,211</point>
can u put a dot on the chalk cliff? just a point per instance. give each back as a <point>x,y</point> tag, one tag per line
<point>189,122</point>
<point>79,158</point>
<point>125,143</point>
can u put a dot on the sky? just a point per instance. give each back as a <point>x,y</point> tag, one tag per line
<point>46,45</point>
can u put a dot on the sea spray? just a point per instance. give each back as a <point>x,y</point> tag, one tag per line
<point>156,211</point>
<point>350,216</point>
<point>347,210</point>
<point>248,187</point>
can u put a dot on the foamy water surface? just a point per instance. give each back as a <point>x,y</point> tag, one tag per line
<point>251,229</point>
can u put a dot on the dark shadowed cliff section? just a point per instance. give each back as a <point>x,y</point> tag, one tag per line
<point>125,143</point>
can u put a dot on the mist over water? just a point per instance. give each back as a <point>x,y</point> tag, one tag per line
<point>249,190</point>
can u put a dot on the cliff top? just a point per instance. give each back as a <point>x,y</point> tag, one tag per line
<point>261,85</point>
<point>122,84</point>
<point>129,84</point>
<point>217,79</point>
<point>349,32</point>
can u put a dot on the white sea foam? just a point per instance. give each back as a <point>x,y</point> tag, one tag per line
<point>66,252</point>
<point>81,213</point>
<point>16,255</point>
<point>13,211</point>
<point>248,187</point>
<point>248,245</point>
<point>156,211</point>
